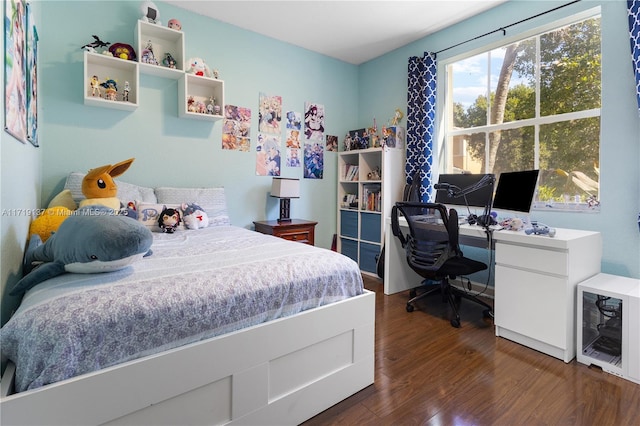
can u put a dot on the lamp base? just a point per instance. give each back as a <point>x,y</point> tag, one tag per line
<point>285,209</point>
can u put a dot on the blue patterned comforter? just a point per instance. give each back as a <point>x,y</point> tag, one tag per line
<point>197,284</point>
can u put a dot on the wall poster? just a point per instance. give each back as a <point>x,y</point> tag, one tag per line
<point>15,87</point>
<point>32,79</point>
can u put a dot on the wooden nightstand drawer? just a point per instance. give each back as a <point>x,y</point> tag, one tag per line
<point>302,231</point>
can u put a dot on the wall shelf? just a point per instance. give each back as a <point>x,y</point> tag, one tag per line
<point>107,67</point>
<point>163,40</point>
<point>202,89</point>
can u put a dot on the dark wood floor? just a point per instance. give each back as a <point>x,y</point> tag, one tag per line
<point>429,373</point>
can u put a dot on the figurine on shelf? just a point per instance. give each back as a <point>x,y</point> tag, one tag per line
<point>374,174</point>
<point>96,43</point>
<point>348,142</point>
<point>210,106</point>
<point>216,74</point>
<point>397,117</point>
<point>150,13</point>
<point>111,91</point>
<point>174,24</point>
<point>197,66</point>
<point>201,108</point>
<point>109,82</point>
<point>191,104</point>
<point>95,86</point>
<point>125,91</point>
<point>169,61</point>
<point>147,56</point>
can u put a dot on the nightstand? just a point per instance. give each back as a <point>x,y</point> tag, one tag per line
<point>297,230</point>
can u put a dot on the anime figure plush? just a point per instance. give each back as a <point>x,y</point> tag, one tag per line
<point>194,216</point>
<point>169,219</point>
<point>197,66</point>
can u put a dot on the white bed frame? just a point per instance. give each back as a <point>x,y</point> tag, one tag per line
<point>278,373</point>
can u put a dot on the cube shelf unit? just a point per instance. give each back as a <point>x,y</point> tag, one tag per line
<point>609,325</point>
<point>365,200</point>
<point>164,40</point>
<point>202,89</point>
<point>108,67</point>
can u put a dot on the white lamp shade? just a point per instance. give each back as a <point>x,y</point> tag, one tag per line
<point>285,188</point>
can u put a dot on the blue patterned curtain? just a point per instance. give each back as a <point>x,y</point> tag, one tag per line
<point>421,116</point>
<point>634,34</point>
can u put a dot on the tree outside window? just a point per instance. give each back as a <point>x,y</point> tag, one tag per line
<point>532,104</point>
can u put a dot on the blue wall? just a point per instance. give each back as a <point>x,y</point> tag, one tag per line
<point>183,152</point>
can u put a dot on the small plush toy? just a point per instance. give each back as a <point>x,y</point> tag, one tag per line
<point>169,219</point>
<point>98,185</point>
<point>197,66</point>
<point>91,240</point>
<point>194,216</point>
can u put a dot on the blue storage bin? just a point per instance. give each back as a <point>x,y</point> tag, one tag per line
<point>349,248</point>
<point>370,227</point>
<point>349,223</point>
<point>368,253</point>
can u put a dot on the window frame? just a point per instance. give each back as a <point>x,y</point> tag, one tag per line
<point>445,155</point>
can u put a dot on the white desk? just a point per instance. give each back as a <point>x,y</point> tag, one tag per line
<point>536,280</point>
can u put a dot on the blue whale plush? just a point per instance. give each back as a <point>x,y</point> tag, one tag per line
<point>92,240</point>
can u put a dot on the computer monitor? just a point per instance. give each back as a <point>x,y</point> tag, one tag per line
<point>479,198</point>
<point>514,191</point>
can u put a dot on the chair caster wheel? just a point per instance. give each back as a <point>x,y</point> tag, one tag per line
<point>455,323</point>
<point>487,314</point>
<point>410,307</point>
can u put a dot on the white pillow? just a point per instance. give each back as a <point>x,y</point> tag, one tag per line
<point>126,191</point>
<point>212,200</point>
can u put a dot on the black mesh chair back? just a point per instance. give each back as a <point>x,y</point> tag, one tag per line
<point>433,251</point>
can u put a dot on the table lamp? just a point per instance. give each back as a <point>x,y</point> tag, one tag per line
<point>285,189</point>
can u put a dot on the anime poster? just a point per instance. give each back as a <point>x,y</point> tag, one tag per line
<point>313,121</point>
<point>32,73</point>
<point>15,86</point>
<point>293,138</point>
<point>313,160</point>
<point>294,120</point>
<point>332,143</point>
<point>236,128</point>
<point>270,114</point>
<point>293,157</point>
<point>268,155</point>
<point>293,148</point>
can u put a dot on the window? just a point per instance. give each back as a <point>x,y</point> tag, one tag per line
<point>531,104</point>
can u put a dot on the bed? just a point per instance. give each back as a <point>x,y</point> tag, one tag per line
<point>220,325</point>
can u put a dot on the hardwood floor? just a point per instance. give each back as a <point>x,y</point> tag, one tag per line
<point>429,373</point>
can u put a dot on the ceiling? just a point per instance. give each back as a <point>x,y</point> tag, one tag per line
<point>352,31</point>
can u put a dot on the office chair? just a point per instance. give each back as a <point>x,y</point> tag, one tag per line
<point>434,253</point>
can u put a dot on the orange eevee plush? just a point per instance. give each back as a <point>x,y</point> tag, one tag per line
<point>98,185</point>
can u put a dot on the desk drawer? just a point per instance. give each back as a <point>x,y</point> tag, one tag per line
<point>301,236</point>
<point>538,260</point>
